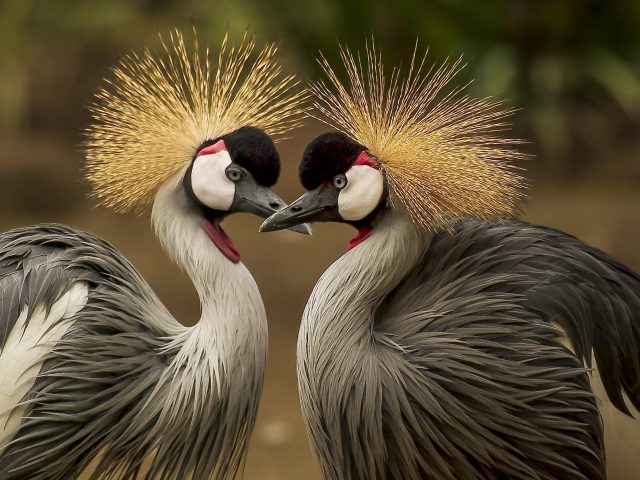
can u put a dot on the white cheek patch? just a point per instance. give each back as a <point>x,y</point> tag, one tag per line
<point>209,183</point>
<point>362,193</point>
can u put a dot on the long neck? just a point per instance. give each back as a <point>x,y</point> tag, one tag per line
<point>213,381</point>
<point>232,327</point>
<point>342,306</point>
<point>337,345</point>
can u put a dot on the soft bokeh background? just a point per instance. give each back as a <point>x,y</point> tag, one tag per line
<point>573,68</point>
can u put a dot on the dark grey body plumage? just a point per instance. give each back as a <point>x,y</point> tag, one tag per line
<point>91,397</point>
<point>462,375</point>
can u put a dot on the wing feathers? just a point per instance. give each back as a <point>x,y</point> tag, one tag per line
<point>477,321</point>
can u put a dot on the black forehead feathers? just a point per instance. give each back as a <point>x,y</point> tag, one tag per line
<point>327,156</point>
<point>254,150</point>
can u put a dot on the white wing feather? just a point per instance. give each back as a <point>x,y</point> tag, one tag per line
<point>21,358</point>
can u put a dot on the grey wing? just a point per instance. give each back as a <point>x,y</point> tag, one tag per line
<point>485,384</point>
<point>34,270</point>
<point>595,300</point>
<point>37,280</point>
<point>591,296</point>
<point>85,398</point>
<point>109,395</point>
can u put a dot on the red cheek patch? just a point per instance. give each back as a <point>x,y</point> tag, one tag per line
<point>219,146</point>
<point>363,234</point>
<point>365,159</point>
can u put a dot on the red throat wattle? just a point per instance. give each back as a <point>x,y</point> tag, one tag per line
<point>363,234</point>
<point>221,240</point>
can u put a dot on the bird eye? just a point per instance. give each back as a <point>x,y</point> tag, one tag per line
<point>234,174</point>
<point>340,181</point>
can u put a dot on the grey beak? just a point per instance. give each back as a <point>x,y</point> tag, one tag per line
<point>320,205</point>
<point>253,198</point>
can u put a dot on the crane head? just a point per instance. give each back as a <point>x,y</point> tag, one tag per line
<point>345,182</point>
<point>234,174</point>
<point>182,114</point>
<point>441,154</point>
<point>160,109</point>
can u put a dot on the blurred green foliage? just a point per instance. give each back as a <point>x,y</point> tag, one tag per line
<point>571,66</point>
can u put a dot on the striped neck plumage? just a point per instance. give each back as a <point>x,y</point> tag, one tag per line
<point>357,282</point>
<point>337,331</point>
<point>233,321</point>
<point>214,379</point>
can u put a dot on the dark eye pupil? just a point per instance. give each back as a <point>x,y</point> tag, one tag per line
<point>234,175</point>
<point>340,181</point>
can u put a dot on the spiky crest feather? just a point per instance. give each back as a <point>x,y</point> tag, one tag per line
<point>158,109</point>
<point>438,146</point>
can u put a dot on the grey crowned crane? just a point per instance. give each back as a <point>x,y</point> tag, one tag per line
<point>453,341</point>
<point>94,370</point>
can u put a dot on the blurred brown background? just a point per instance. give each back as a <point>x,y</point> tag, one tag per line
<point>573,68</point>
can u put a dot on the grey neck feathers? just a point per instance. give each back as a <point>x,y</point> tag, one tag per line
<point>336,345</point>
<point>226,350</point>
<point>231,305</point>
<point>345,298</point>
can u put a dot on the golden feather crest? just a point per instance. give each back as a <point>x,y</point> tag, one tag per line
<point>158,109</point>
<point>439,148</point>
